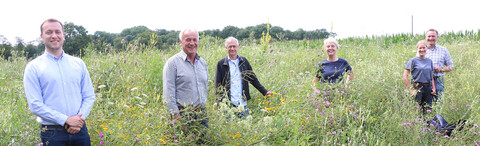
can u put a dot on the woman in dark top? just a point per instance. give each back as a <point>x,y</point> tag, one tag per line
<point>332,69</point>
<point>422,77</point>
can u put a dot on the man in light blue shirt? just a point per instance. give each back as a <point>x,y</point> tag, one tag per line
<point>59,90</point>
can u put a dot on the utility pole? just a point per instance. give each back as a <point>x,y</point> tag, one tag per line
<point>412,24</point>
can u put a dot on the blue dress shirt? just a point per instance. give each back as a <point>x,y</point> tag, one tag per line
<point>236,83</point>
<point>58,88</point>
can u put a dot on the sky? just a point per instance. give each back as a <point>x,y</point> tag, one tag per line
<point>348,18</point>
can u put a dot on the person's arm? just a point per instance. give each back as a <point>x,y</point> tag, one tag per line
<point>434,91</point>
<point>35,101</point>
<point>88,93</point>
<point>407,82</point>
<point>449,63</point>
<point>169,94</point>
<point>252,79</point>
<point>220,81</point>
<point>349,78</point>
<point>314,84</point>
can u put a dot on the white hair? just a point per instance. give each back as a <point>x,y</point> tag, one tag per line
<point>188,29</point>
<point>333,40</point>
<point>229,39</point>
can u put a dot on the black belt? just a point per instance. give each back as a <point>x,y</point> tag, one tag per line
<point>436,77</point>
<point>52,127</point>
<point>421,84</point>
<point>193,108</point>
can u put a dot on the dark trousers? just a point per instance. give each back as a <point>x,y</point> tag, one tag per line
<point>424,97</point>
<point>58,136</point>
<point>194,115</point>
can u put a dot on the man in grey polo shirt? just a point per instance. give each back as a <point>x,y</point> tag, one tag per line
<point>185,78</point>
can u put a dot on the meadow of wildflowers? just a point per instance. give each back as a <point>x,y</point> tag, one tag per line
<point>374,110</point>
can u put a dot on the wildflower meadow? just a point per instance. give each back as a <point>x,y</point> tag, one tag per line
<point>375,110</point>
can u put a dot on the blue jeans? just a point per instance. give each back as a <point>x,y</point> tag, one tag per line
<point>195,116</point>
<point>245,113</point>
<point>424,97</point>
<point>60,137</point>
<point>439,84</point>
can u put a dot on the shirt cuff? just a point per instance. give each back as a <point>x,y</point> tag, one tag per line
<point>62,119</point>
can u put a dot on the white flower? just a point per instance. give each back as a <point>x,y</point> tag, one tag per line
<point>144,94</point>
<point>102,86</point>
<point>133,89</point>
<point>139,98</point>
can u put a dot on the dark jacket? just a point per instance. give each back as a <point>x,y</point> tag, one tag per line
<point>222,79</point>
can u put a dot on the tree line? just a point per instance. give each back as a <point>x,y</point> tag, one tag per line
<point>77,38</point>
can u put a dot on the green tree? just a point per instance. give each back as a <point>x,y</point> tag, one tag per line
<point>5,47</point>
<point>76,38</point>
<point>229,31</point>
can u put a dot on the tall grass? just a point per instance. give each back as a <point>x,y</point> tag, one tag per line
<point>375,110</point>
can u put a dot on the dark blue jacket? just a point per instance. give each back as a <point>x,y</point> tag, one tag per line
<point>222,79</point>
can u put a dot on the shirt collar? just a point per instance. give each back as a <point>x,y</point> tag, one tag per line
<point>184,56</point>
<point>53,57</point>
<point>433,47</point>
<point>238,57</point>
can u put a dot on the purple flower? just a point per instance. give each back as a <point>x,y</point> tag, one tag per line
<point>298,95</point>
<point>328,103</point>
<point>317,92</point>
<point>300,128</point>
<point>40,144</point>
<point>316,110</point>
<point>475,125</point>
<point>101,142</point>
<point>355,116</point>
<point>324,93</point>
<point>100,135</point>
<point>468,105</point>
<point>218,135</point>
<point>310,99</point>
<point>429,111</point>
<point>334,132</point>
<point>149,53</point>
<point>176,141</point>
<point>138,140</point>
<point>174,122</point>
<point>322,113</point>
<point>424,124</point>
<point>446,136</point>
<point>431,125</point>
<point>330,116</point>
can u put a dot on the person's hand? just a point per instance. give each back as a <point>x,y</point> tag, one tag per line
<point>269,93</point>
<point>75,121</point>
<point>433,92</point>
<point>73,130</point>
<point>413,93</point>
<point>177,116</point>
<point>437,69</point>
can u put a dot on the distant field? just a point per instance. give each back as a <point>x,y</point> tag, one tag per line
<point>375,110</point>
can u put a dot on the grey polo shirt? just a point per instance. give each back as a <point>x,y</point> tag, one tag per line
<point>184,83</point>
